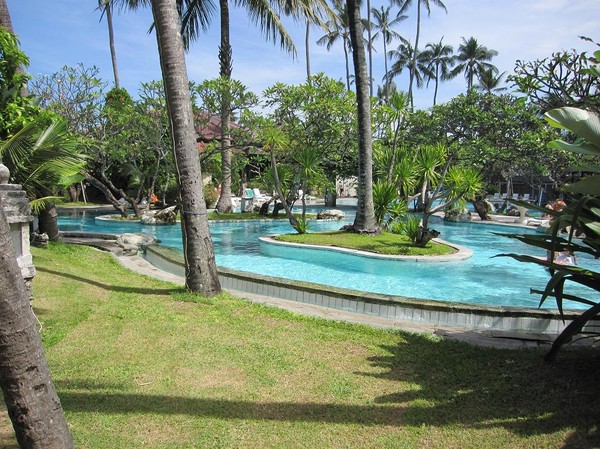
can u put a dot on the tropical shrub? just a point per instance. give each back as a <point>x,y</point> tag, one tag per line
<point>581,216</point>
<point>387,205</point>
<point>408,226</point>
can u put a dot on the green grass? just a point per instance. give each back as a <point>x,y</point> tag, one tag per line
<point>141,363</point>
<point>384,243</point>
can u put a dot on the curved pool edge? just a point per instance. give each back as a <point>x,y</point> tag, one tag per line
<point>461,253</point>
<point>502,322</point>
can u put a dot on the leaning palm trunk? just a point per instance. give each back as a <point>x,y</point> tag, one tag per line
<point>31,400</point>
<point>200,267</point>
<point>365,221</point>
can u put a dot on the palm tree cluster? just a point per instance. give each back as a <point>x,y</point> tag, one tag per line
<point>435,63</point>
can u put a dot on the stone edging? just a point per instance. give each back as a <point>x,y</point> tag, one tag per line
<point>534,324</point>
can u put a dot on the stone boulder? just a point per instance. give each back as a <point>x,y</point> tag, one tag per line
<point>132,243</point>
<point>457,216</point>
<point>158,217</point>
<point>331,214</point>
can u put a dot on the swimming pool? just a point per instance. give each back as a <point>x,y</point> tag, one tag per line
<point>481,279</point>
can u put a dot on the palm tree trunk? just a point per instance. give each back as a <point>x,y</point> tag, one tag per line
<point>48,219</point>
<point>5,20</point>
<point>347,64</point>
<point>225,61</point>
<point>437,80</point>
<point>365,212</point>
<point>369,39</point>
<point>307,48</point>
<point>385,63</point>
<point>413,70</point>
<point>33,405</point>
<point>200,267</point>
<point>111,41</point>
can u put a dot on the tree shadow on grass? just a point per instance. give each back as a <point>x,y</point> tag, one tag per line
<point>116,403</point>
<point>440,384</point>
<point>515,390</point>
<point>114,287</point>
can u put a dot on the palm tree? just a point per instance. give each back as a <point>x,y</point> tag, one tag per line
<point>490,82</point>
<point>106,6</point>
<point>338,29</point>
<point>383,26</point>
<point>42,156</point>
<point>440,60</point>
<point>265,14</point>
<point>33,405</point>
<point>472,60</point>
<point>404,5</point>
<point>29,394</point>
<point>200,267</point>
<point>364,221</point>
<point>416,63</point>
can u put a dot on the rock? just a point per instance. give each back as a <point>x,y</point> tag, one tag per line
<point>331,214</point>
<point>132,243</point>
<point>39,240</point>
<point>457,216</point>
<point>164,216</point>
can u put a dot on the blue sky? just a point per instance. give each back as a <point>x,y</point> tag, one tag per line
<point>67,32</point>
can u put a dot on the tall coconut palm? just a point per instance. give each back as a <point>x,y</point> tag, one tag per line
<point>490,82</point>
<point>106,6</point>
<point>368,26</point>
<point>266,15</point>
<point>200,267</point>
<point>29,394</point>
<point>406,57</point>
<point>384,28</point>
<point>338,29</point>
<point>404,6</point>
<point>440,60</point>
<point>364,221</point>
<point>472,59</point>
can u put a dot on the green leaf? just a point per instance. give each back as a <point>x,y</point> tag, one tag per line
<point>590,185</point>
<point>581,148</point>
<point>583,123</point>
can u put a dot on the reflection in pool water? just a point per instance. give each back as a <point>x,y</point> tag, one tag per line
<point>482,279</point>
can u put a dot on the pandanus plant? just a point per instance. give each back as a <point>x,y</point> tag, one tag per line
<point>580,218</point>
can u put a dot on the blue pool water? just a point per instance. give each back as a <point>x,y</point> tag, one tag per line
<point>481,279</point>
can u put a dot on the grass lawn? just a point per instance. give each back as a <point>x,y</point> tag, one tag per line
<point>140,363</point>
<point>384,243</point>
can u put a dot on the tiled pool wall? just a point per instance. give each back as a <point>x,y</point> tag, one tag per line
<point>397,308</point>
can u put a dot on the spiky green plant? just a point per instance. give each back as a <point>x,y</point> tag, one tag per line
<point>581,216</point>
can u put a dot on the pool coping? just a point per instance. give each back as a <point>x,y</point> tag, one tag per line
<point>500,321</point>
